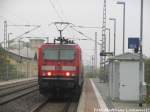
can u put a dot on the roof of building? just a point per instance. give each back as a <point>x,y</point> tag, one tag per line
<point>127,56</point>
<point>24,52</point>
<point>36,39</point>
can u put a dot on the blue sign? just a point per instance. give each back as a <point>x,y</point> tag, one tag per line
<point>133,43</point>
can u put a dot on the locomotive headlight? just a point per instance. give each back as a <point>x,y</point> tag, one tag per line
<point>67,74</point>
<point>49,73</point>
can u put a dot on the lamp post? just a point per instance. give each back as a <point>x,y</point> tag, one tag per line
<point>100,47</point>
<point>141,58</point>
<point>123,3</point>
<point>7,67</point>
<point>8,44</point>
<point>27,45</point>
<point>114,20</point>
<point>109,39</point>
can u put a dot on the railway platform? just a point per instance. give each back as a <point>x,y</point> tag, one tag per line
<point>91,100</point>
<point>95,98</point>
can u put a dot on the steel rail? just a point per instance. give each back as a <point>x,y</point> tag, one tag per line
<point>18,89</point>
<point>15,90</point>
<point>67,107</point>
<point>39,106</point>
<point>10,85</point>
<point>17,95</point>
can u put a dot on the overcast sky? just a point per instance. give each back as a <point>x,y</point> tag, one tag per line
<point>78,12</point>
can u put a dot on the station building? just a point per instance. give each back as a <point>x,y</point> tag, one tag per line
<point>124,77</point>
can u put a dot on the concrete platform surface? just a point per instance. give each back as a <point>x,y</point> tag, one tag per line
<point>117,106</point>
<point>95,98</point>
<point>91,100</point>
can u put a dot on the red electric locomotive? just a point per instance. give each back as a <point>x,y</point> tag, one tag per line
<point>60,67</point>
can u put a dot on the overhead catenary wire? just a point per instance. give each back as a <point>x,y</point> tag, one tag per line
<point>95,27</point>
<point>71,25</point>
<point>53,6</point>
<point>25,25</point>
<point>61,10</point>
<point>13,24</point>
<point>20,36</point>
<point>63,14</point>
<point>82,33</point>
<point>87,37</point>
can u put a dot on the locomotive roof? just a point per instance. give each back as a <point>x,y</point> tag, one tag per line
<point>60,44</point>
<point>56,44</point>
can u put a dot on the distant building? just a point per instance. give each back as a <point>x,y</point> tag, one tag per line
<point>27,49</point>
<point>15,45</point>
<point>36,43</point>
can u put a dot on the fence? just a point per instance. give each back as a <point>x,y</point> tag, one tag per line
<point>13,66</point>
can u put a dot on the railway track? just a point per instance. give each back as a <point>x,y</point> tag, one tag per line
<point>15,84</point>
<point>56,106</point>
<point>14,91</point>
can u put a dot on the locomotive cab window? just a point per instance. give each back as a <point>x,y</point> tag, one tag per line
<point>58,54</point>
<point>67,54</point>
<point>50,54</point>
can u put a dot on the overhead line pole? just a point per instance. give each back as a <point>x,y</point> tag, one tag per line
<point>103,46</point>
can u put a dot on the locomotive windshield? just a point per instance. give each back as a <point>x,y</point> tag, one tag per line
<point>58,54</point>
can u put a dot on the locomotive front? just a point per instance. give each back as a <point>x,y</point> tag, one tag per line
<point>59,67</point>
